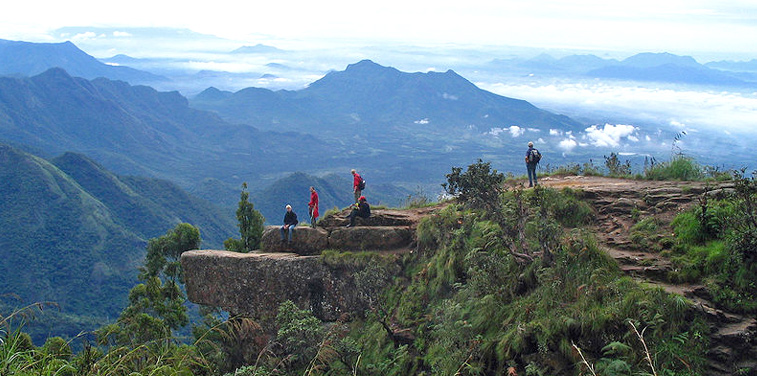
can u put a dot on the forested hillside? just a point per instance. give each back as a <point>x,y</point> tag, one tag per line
<point>73,233</point>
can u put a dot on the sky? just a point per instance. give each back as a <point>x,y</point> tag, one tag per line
<point>709,28</point>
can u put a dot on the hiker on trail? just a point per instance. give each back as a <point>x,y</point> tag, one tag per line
<point>313,207</point>
<point>532,159</point>
<point>358,184</point>
<point>290,220</point>
<point>361,209</point>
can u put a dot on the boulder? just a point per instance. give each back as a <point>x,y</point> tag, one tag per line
<point>379,217</point>
<point>370,238</point>
<point>305,240</point>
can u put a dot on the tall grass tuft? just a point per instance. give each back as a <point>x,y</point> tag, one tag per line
<point>678,168</point>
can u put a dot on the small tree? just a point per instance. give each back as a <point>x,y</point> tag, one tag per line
<point>156,306</point>
<point>250,226</point>
<point>479,187</point>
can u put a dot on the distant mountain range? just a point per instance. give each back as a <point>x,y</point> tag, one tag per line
<point>737,66</point>
<point>370,117</point>
<point>657,67</point>
<point>257,49</point>
<point>73,233</point>
<point>138,131</point>
<point>370,99</point>
<point>30,59</point>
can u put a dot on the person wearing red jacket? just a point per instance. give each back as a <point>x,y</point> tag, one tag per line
<point>357,182</point>
<point>313,207</point>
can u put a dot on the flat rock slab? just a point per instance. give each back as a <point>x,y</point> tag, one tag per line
<point>309,241</point>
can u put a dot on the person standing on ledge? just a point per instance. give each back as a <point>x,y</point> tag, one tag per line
<point>290,220</point>
<point>313,207</point>
<point>357,185</point>
<point>532,159</point>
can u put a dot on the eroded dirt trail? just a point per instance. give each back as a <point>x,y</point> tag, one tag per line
<point>621,203</point>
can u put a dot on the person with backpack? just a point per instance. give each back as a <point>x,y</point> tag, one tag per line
<point>290,220</point>
<point>313,207</point>
<point>361,209</point>
<point>532,159</point>
<point>358,184</point>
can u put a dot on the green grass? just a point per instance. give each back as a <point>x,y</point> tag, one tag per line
<point>678,168</point>
<point>474,308</point>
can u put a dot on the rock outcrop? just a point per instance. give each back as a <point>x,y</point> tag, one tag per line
<point>254,284</point>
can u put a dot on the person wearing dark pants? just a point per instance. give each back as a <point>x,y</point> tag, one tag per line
<point>363,210</point>
<point>313,207</point>
<point>357,181</point>
<point>532,159</point>
<point>290,220</point>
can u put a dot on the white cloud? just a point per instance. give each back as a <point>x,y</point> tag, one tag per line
<point>681,107</point>
<point>422,121</point>
<point>567,144</point>
<point>555,132</point>
<point>495,131</point>
<point>449,97</point>
<point>516,131</point>
<point>85,36</point>
<point>121,34</point>
<point>609,135</point>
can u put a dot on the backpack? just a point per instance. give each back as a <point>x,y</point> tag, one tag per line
<point>361,185</point>
<point>534,156</point>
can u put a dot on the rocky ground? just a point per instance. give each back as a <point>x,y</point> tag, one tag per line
<point>619,204</point>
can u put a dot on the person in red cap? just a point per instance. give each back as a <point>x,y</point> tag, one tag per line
<point>361,209</point>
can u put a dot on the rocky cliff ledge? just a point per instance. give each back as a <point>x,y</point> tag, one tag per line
<point>254,284</point>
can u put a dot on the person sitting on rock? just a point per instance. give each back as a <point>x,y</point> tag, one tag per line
<point>313,207</point>
<point>361,209</point>
<point>290,220</point>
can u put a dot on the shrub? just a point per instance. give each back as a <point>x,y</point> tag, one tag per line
<point>478,187</point>
<point>299,332</point>
<point>616,167</point>
<point>57,347</point>
<point>678,168</point>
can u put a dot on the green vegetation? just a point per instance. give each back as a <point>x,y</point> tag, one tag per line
<point>479,185</point>
<point>74,233</point>
<point>715,245</point>
<point>250,226</point>
<point>141,342</point>
<point>517,286</point>
<point>586,169</point>
<point>502,282</point>
<point>477,304</point>
<point>617,168</point>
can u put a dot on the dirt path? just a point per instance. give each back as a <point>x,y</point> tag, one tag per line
<point>621,203</point>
